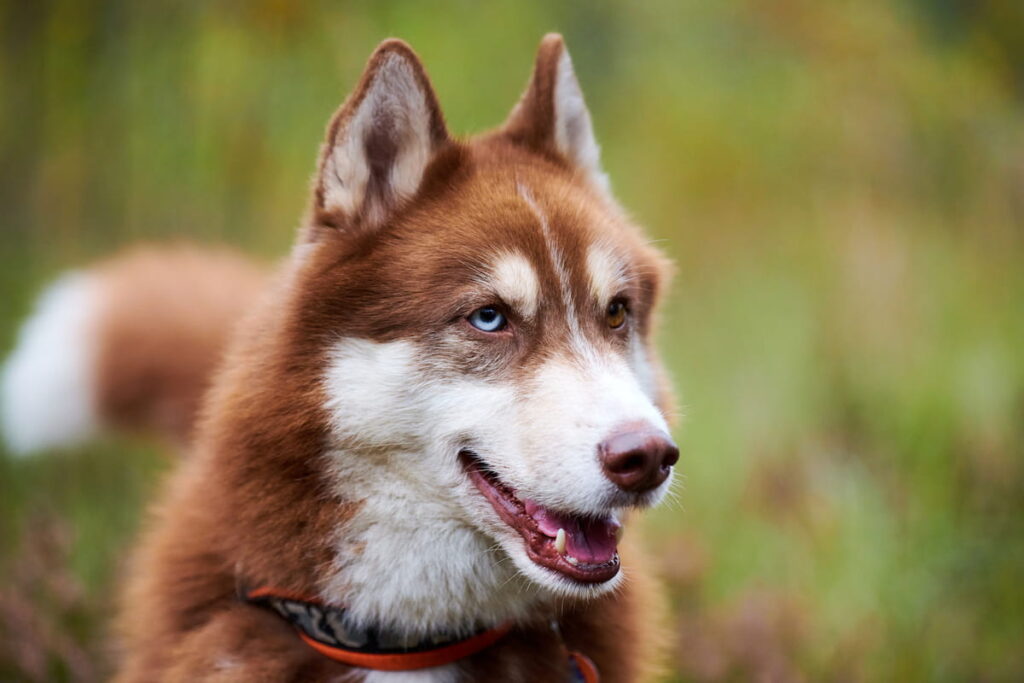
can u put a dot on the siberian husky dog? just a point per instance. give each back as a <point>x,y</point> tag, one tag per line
<point>411,449</point>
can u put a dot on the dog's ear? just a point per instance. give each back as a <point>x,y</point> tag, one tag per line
<point>551,116</point>
<point>380,141</point>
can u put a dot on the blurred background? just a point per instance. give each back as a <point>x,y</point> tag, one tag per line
<point>842,187</point>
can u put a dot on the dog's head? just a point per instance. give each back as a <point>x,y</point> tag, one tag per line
<point>485,309</point>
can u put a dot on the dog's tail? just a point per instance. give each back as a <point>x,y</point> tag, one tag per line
<point>130,343</point>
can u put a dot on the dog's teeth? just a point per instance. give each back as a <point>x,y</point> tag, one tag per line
<point>572,560</point>
<point>560,541</point>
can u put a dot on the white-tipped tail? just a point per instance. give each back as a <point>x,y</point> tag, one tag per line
<point>48,393</point>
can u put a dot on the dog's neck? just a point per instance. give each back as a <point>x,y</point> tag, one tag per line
<point>404,562</point>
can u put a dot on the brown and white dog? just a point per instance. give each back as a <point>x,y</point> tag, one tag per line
<point>426,426</point>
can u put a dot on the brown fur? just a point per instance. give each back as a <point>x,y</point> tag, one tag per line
<point>252,501</point>
<point>166,318</point>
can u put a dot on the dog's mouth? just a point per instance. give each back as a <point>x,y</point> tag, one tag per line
<point>583,549</point>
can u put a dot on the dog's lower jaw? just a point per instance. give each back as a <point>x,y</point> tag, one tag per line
<point>553,585</point>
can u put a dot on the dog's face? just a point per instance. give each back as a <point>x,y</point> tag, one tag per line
<point>484,310</point>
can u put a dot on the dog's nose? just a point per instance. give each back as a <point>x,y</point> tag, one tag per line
<point>638,460</point>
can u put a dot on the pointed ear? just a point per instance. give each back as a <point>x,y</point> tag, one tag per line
<point>380,141</point>
<point>552,116</point>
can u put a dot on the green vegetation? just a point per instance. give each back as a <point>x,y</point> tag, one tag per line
<point>840,183</point>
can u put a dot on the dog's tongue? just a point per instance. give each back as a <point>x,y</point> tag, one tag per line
<point>591,541</point>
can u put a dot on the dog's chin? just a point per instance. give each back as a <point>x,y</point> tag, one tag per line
<point>567,554</point>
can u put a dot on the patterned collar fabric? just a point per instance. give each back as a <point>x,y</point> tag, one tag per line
<point>323,627</point>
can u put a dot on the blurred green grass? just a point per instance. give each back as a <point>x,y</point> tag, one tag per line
<point>841,185</point>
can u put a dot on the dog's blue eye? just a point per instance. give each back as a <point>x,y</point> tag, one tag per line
<point>487,319</point>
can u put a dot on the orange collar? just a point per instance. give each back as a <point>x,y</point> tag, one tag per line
<point>323,628</point>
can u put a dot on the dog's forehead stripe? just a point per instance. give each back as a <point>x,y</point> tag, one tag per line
<point>558,262</point>
<point>515,280</point>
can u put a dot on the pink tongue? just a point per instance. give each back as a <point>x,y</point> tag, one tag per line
<point>588,540</point>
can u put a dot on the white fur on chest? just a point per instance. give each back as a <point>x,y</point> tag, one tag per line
<point>405,564</point>
<point>440,674</point>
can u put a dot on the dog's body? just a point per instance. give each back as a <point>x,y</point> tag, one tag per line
<point>454,364</point>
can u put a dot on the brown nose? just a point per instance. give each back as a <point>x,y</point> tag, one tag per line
<point>638,460</point>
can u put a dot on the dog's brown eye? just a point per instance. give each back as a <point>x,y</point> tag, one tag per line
<point>615,316</point>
